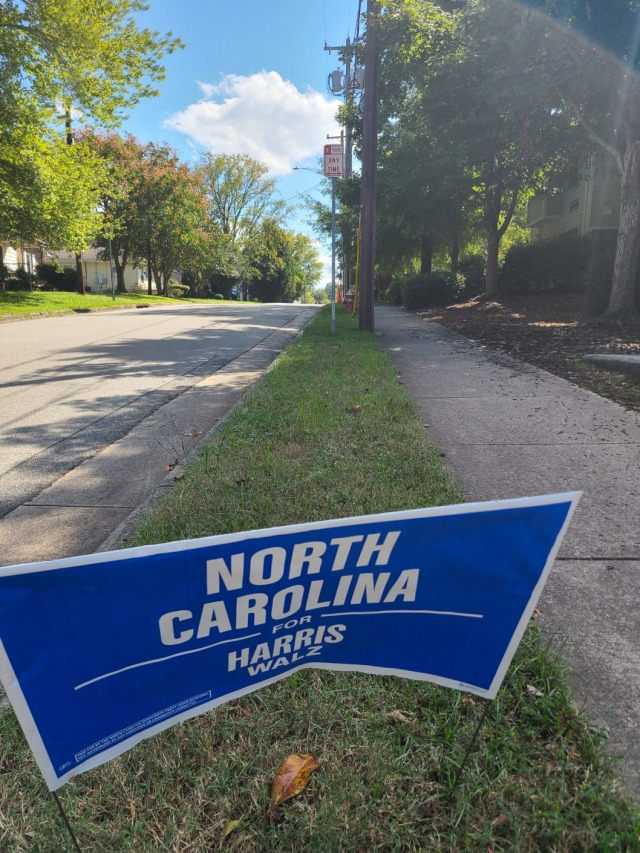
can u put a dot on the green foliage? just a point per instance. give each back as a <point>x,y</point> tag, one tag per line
<point>177,290</point>
<point>19,280</point>
<point>394,292</point>
<point>472,268</point>
<point>89,54</point>
<point>423,290</point>
<point>65,54</point>
<point>558,265</point>
<point>54,277</point>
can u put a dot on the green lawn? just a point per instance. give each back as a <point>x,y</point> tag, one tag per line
<point>36,303</point>
<point>328,433</point>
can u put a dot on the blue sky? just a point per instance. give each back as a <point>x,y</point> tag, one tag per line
<point>252,79</point>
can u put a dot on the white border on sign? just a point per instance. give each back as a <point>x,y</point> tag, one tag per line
<point>21,708</point>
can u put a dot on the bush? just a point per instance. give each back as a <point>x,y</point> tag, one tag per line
<point>20,280</point>
<point>394,291</point>
<point>440,287</point>
<point>178,291</point>
<point>218,296</point>
<point>54,277</point>
<point>473,270</point>
<point>557,265</point>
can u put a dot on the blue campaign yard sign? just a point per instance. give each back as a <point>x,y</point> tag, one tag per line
<point>100,652</point>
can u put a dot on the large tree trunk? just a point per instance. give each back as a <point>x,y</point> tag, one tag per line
<point>628,243</point>
<point>493,247</point>
<point>426,253</point>
<point>80,275</point>
<point>454,254</point>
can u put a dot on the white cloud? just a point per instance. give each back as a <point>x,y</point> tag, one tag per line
<point>263,116</point>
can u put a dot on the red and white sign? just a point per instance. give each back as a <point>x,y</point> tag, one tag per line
<point>333,161</point>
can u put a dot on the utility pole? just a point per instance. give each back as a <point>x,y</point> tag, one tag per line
<point>369,171</point>
<point>79,272</point>
<point>347,86</point>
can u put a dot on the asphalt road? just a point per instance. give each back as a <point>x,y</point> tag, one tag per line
<point>72,385</point>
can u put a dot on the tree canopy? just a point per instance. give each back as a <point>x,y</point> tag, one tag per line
<point>60,58</point>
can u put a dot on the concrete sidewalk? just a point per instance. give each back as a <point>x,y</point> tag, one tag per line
<point>509,430</point>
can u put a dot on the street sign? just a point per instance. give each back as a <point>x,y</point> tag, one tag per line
<point>333,161</point>
<point>99,652</point>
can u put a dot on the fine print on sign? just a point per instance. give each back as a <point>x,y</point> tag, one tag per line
<point>333,161</point>
<point>99,652</point>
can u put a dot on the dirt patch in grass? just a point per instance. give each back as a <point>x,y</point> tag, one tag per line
<point>550,331</point>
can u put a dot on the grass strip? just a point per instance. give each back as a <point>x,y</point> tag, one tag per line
<point>36,303</point>
<point>330,432</point>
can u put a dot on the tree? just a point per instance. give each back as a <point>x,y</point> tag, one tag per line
<point>125,165</point>
<point>171,222</point>
<point>473,111</point>
<point>307,269</point>
<point>597,81</point>
<point>87,55</point>
<point>240,198</point>
<point>274,271</point>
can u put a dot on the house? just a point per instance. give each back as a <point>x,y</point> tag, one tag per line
<point>97,274</point>
<point>591,202</point>
<point>24,256</point>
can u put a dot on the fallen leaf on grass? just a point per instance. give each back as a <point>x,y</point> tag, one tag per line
<point>533,691</point>
<point>291,777</point>
<point>500,819</point>
<point>398,716</point>
<point>229,826</point>
<point>178,476</point>
<point>355,410</point>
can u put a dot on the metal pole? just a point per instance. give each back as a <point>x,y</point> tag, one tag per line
<point>369,171</point>
<point>66,822</point>
<point>333,256</point>
<point>471,745</point>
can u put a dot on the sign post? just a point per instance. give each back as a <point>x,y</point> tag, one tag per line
<point>333,168</point>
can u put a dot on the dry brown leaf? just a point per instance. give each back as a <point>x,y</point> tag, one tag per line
<point>291,777</point>
<point>398,716</point>
<point>500,819</point>
<point>193,433</point>
<point>355,410</point>
<point>178,476</point>
<point>169,467</point>
<point>229,826</point>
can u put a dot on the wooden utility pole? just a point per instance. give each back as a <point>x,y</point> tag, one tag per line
<point>369,170</point>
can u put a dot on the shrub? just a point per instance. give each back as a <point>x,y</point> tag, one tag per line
<point>440,287</point>
<point>218,296</point>
<point>54,277</point>
<point>178,291</point>
<point>559,265</point>
<point>20,280</point>
<point>473,270</point>
<point>394,291</point>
